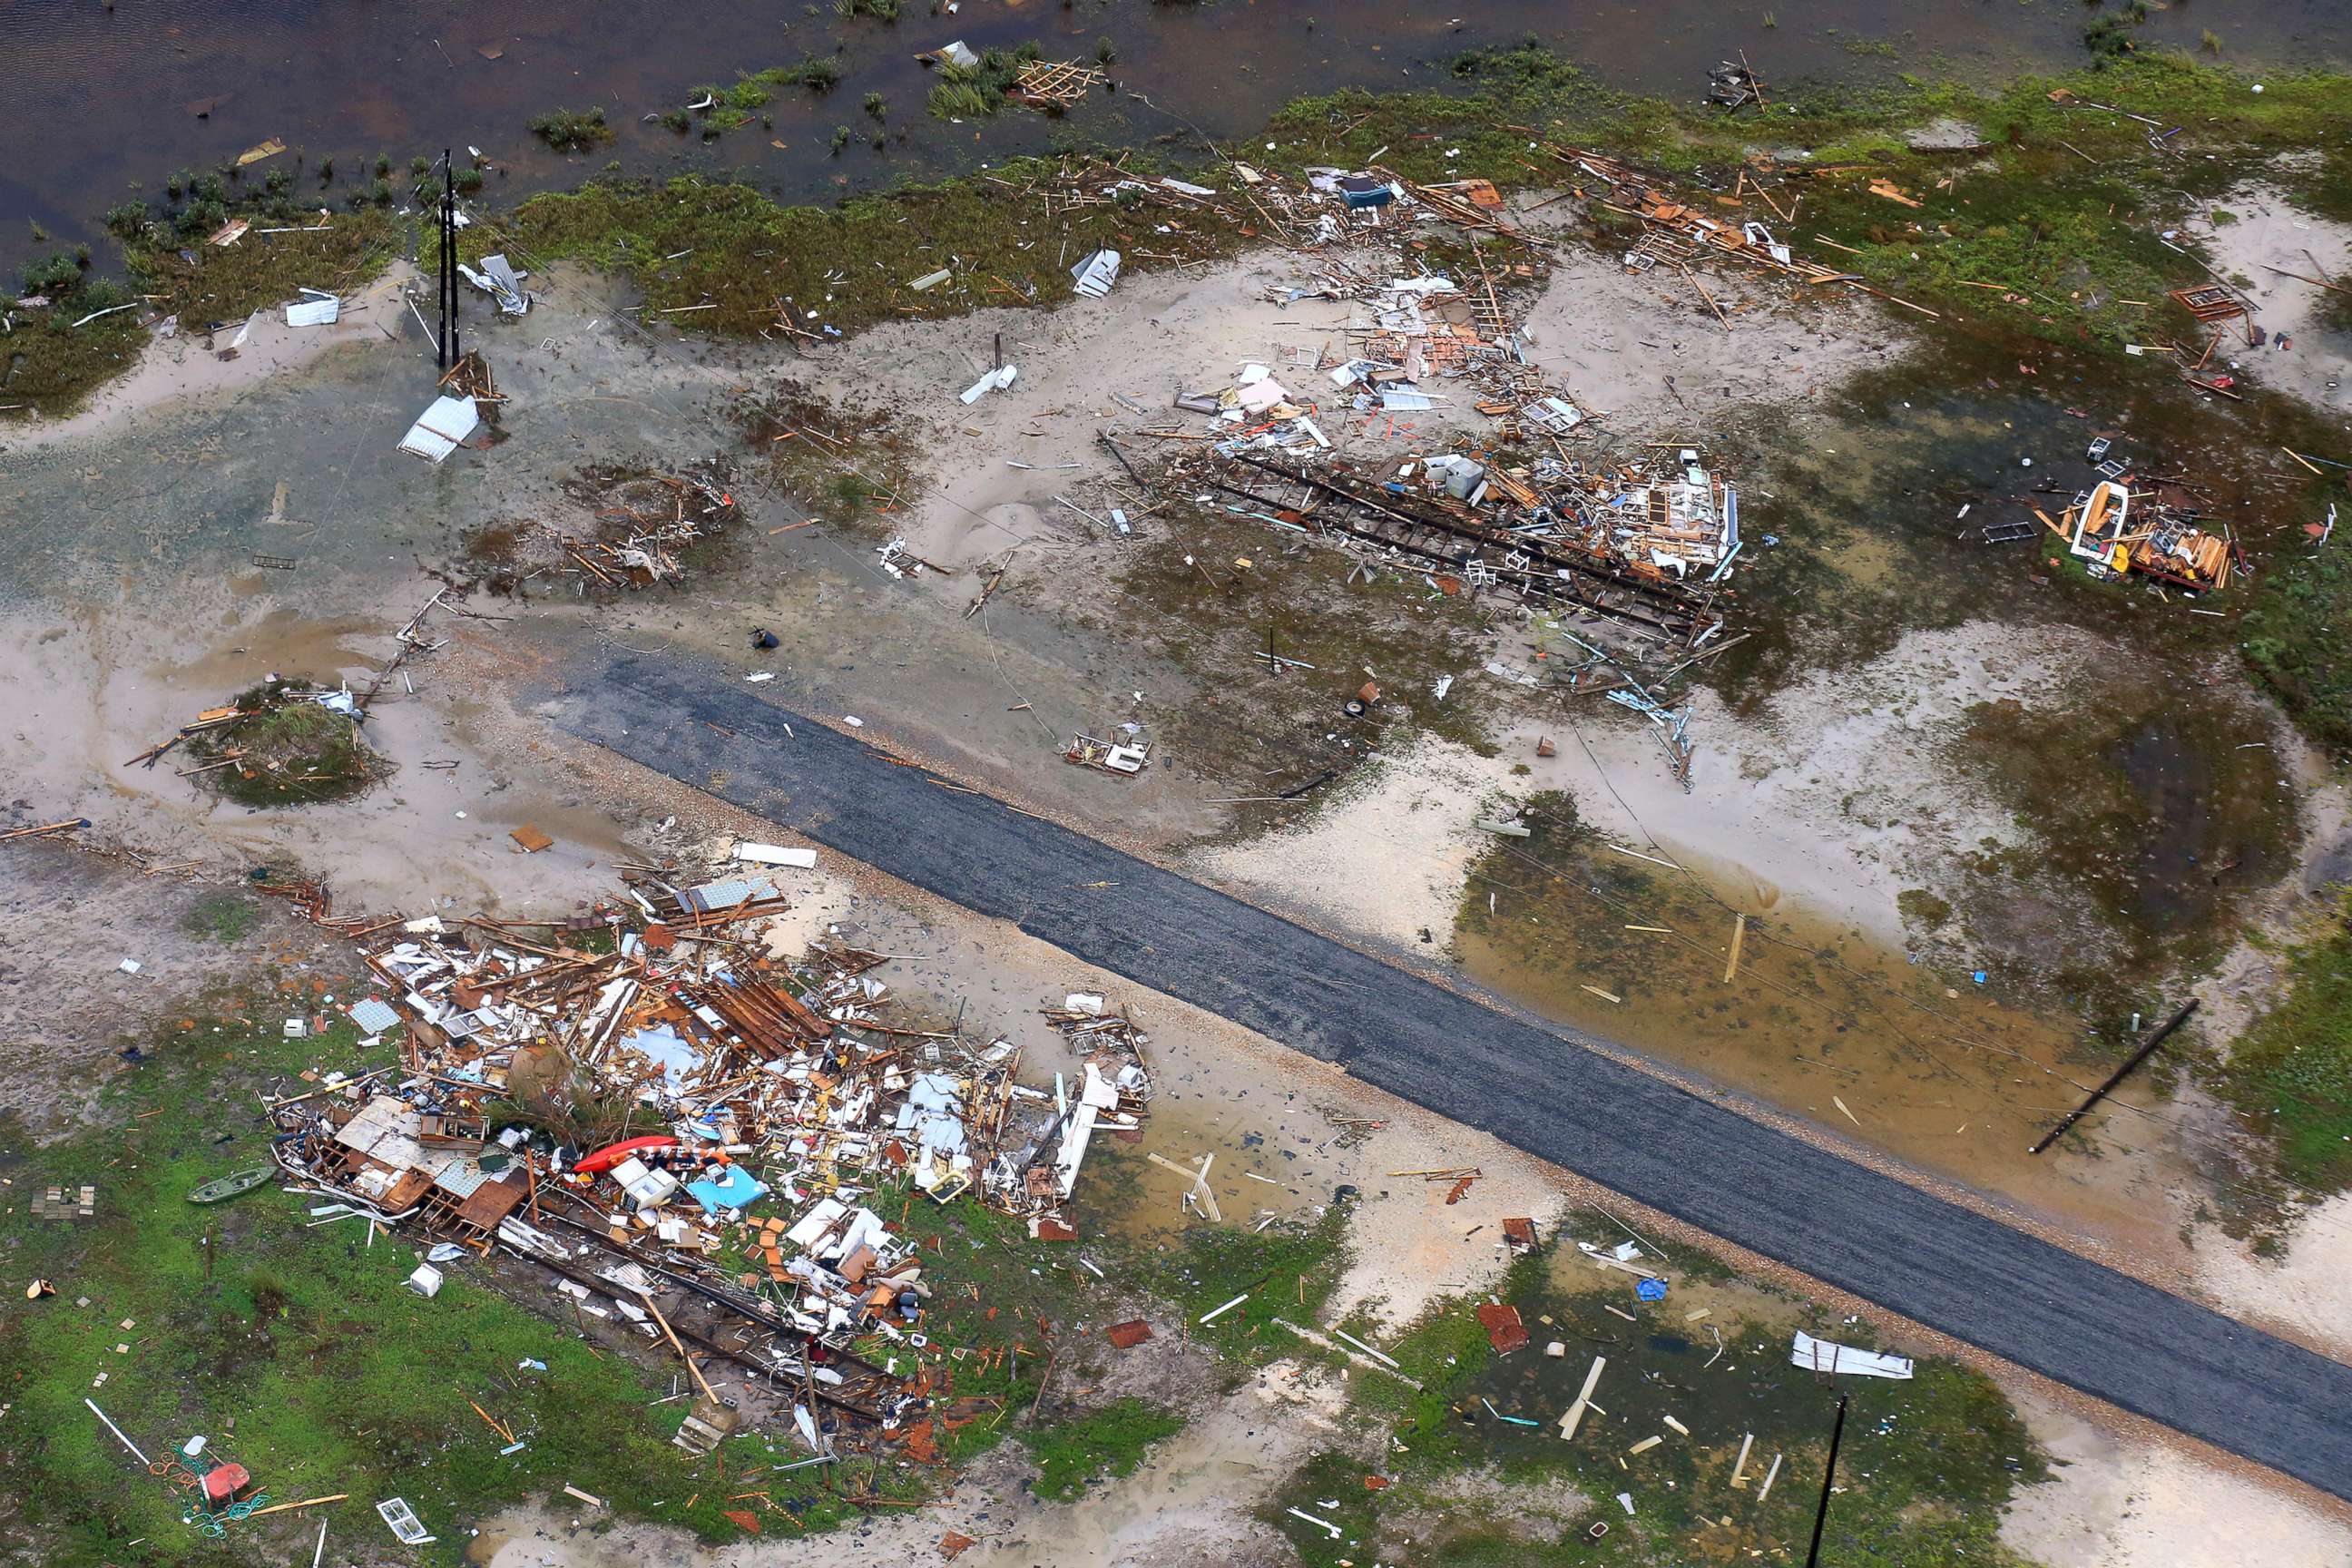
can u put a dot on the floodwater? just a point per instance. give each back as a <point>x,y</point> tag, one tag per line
<point>1817,1019</point>
<point>101,99</point>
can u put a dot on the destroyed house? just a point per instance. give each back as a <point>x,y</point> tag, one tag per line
<point>378,1152</point>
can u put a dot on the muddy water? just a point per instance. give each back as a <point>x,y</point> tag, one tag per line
<point>1877,501</point>
<point>1820,1021</point>
<point>101,99</point>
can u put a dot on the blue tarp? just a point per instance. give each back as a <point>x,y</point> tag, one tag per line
<point>739,1190</point>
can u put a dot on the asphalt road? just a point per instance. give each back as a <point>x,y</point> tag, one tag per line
<point>1932,1261</point>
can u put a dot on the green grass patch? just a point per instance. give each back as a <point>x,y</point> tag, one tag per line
<point>224,917</point>
<point>2293,639</point>
<point>300,1353</point>
<point>850,266</point>
<point>572,131</point>
<point>2290,1074</point>
<point>290,751</point>
<point>203,283</point>
<point>1287,1270</point>
<point>1102,1445</point>
<point>722,108</point>
<point>2057,211</point>
<point>297,1351</point>
<point>978,91</point>
<point>52,359</point>
<point>1925,1467</point>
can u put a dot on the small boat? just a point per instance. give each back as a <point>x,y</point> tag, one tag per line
<point>228,1187</point>
<point>604,1159</point>
<point>2099,522</point>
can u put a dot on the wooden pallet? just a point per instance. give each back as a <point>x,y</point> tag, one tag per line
<point>1055,85</point>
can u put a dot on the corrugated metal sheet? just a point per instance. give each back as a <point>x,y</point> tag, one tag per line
<point>442,429</point>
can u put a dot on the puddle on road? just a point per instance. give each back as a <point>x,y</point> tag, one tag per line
<point>1818,1019</point>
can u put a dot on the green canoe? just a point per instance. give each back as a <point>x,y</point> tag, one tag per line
<point>228,1187</point>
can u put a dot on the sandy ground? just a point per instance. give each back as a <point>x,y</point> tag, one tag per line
<point>187,366</point>
<point>1417,805</point>
<point>2269,231</point>
<point>1188,1507</point>
<point>89,693</point>
<point>1641,350</point>
<point>1633,350</point>
<point>2118,1502</point>
<point>70,922</point>
<point>1831,799</point>
<point>2307,1292</point>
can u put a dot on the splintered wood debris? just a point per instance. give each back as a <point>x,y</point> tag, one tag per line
<point>715,1131</point>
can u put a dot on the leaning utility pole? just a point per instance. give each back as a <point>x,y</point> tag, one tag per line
<point>2117,1077</point>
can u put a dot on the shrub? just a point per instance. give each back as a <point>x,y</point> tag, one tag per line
<point>567,131</point>
<point>127,220</point>
<point>199,218</point>
<point>53,274</point>
<point>875,105</point>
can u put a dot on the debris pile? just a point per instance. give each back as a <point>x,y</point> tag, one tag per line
<point>694,1132</point>
<point>283,741</point>
<point>1638,544</point>
<point>499,279</point>
<point>1553,513</point>
<point>642,522</point>
<point>2156,530</point>
<point>1126,758</point>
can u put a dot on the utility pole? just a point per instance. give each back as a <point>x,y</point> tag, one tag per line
<point>441,281</point>
<point>446,350</point>
<point>2117,1077</point>
<point>1822,1514</point>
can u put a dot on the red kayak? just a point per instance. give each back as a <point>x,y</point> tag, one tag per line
<point>606,1158</point>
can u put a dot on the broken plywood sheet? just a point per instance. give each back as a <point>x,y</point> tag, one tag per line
<point>1503,1329</point>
